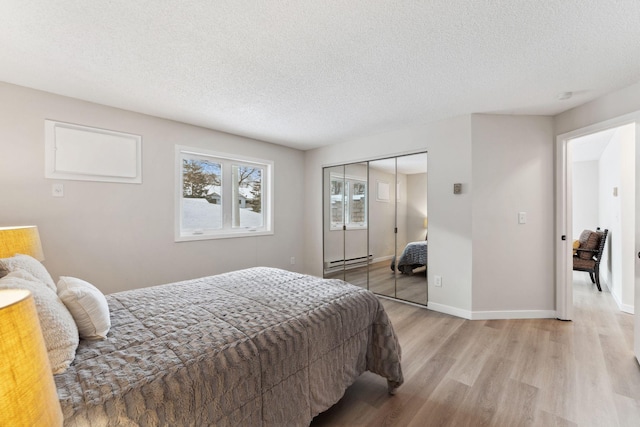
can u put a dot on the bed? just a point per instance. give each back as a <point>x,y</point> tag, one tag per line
<point>413,256</point>
<point>256,347</point>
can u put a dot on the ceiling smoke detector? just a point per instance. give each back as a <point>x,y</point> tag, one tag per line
<point>564,95</point>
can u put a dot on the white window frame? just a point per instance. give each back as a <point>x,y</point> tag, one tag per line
<point>227,231</point>
<point>348,188</point>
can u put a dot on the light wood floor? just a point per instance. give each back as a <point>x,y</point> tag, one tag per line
<point>384,281</point>
<point>541,372</point>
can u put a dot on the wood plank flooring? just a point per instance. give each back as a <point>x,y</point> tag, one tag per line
<point>383,281</point>
<point>539,372</point>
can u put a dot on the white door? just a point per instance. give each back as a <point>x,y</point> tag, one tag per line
<point>636,326</point>
<point>564,273</point>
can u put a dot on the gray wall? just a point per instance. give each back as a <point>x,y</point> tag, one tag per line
<point>121,236</point>
<point>513,264</point>
<point>448,143</point>
<point>489,265</point>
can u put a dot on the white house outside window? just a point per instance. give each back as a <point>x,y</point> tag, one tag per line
<point>221,195</point>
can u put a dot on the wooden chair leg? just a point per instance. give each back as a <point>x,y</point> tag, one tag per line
<point>593,280</point>
<point>597,275</point>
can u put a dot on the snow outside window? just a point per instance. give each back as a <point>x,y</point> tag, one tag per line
<point>221,195</point>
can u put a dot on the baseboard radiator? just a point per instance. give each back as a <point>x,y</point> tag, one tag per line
<point>347,264</point>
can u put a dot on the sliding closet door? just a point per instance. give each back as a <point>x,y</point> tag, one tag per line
<point>333,220</point>
<point>355,224</point>
<point>382,220</point>
<point>411,222</point>
<point>375,219</point>
<point>345,223</point>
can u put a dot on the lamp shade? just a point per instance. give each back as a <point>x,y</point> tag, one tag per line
<point>27,389</point>
<point>20,240</point>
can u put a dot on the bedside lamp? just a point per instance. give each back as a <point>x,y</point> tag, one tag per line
<point>27,389</point>
<point>20,240</point>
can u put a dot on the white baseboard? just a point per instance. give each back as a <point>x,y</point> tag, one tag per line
<point>627,308</point>
<point>492,315</point>
<point>446,309</point>
<point>513,314</point>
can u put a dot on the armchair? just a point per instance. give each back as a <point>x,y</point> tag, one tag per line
<point>588,255</point>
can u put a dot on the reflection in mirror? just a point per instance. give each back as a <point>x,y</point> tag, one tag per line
<point>355,224</point>
<point>345,223</point>
<point>382,218</point>
<point>411,243</point>
<point>333,220</point>
<point>375,225</point>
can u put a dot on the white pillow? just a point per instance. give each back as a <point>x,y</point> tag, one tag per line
<point>31,265</point>
<point>87,305</point>
<point>58,328</point>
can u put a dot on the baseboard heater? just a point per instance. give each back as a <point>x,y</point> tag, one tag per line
<point>347,264</point>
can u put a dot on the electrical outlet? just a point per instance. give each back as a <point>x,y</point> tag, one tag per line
<point>522,217</point>
<point>293,260</point>
<point>57,190</point>
<point>437,281</point>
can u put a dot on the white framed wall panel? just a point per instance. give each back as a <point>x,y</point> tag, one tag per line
<point>91,154</point>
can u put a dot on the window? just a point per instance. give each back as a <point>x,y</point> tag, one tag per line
<point>220,195</point>
<point>348,202</point>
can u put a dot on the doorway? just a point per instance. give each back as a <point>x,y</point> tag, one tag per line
<point>619,214</point>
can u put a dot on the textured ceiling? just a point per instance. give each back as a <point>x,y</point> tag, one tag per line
<point>309,73</point>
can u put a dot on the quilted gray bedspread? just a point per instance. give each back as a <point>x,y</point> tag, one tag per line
<point>256,347</point>
<point>415,253</point>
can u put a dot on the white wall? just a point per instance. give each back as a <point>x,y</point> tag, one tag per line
<point>609,214</point>
<point>448,143</point>
<point>512,172</point>
<point>416,206</point>
<point>628,202</point>
<point>382,215</point>
<point>120,236</point>
<point>585,197</point>
<point>617,213</point>
<point>615,104</point>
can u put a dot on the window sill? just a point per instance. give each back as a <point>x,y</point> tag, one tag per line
<point>222,235</point>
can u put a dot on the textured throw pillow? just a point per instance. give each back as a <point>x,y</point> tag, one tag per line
<point>588,240</point>
<point>31,265</point>
<point>87,305</point>
<point>58,328</point>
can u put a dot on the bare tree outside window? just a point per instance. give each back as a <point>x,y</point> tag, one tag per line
<point>222,196</point>
<point>247,188</point>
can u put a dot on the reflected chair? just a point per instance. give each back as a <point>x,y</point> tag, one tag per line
<point>588,255</point>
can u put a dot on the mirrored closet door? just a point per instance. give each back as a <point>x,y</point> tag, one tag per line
<point>345,223</point>
<point>375,225</point>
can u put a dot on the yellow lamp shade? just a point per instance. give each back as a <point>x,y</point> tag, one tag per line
<point>20,240</point>
<point>27,389</point>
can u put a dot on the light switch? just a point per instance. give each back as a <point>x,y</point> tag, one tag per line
<point>522,217</point>
<point>57,190</point>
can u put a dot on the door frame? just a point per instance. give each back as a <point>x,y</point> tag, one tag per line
<point>564,208</point>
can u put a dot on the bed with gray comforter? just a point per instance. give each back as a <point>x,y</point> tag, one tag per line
<point>256,347</point>
<point>413,256</point>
